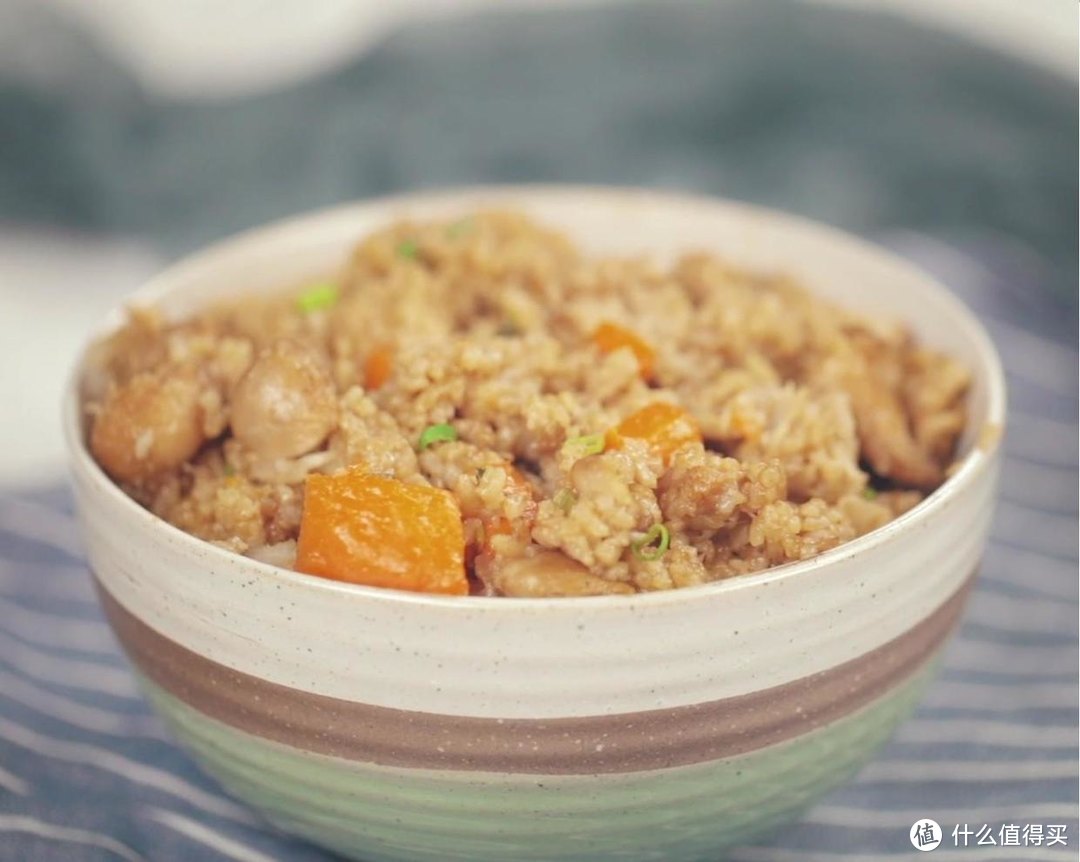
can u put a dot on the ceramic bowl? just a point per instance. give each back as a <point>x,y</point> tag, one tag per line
<point>394,726</point>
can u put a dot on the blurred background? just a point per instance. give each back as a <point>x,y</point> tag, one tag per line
<point>134,131</point>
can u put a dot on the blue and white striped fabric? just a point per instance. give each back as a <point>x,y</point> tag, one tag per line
<point>88,773</point>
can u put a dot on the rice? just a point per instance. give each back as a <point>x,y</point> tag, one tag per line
<point>805,425</point>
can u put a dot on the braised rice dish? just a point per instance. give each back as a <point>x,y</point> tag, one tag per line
<point>475,406</point>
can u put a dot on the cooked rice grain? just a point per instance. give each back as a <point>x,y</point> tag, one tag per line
<point>486,323</point>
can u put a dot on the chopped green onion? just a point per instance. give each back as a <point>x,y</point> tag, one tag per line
<point>644,549</point>
<point>869,493</point>
<point>580,447</point>
<point>507,330</point>
<point>480,471</point>
<point>230,470</point>
<point>564,500</point>
<point>441,433</point>
<point>408,249</point>
<point>460,228</point>
<point>317,298</point>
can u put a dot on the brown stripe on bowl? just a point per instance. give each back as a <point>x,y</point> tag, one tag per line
<point>587,745</point>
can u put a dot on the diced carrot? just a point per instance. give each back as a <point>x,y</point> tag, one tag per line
<point>377,366</point>
<point>666,427</point>
<point>383,533</point>
<point>611,336</point>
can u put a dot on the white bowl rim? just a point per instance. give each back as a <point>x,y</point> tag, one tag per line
<point>973,465</point>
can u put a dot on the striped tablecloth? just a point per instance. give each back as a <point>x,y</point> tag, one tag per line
<point>88,773</point>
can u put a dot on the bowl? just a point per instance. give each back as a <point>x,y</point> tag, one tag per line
<point>395,726</point>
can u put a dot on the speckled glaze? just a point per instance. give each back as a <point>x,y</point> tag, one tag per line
<point>393,726</point>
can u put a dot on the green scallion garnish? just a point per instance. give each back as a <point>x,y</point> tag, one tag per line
<point>564,500</point>
<point>442,433</point>
<point>408,249</point>
<point>869,493</point>
<point>580,447</point>
<point>318,297</point>
<point>653,545</point>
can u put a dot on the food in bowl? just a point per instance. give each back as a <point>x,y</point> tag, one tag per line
<point>395,726</point>
<point>474,406</point>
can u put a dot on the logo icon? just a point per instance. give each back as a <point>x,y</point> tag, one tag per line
<point>925,835</point>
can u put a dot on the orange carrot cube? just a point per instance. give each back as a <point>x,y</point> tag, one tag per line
<point>665,427</point>
<point>611,336</point>
<point>383,533</point>
<point>377,366</point>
